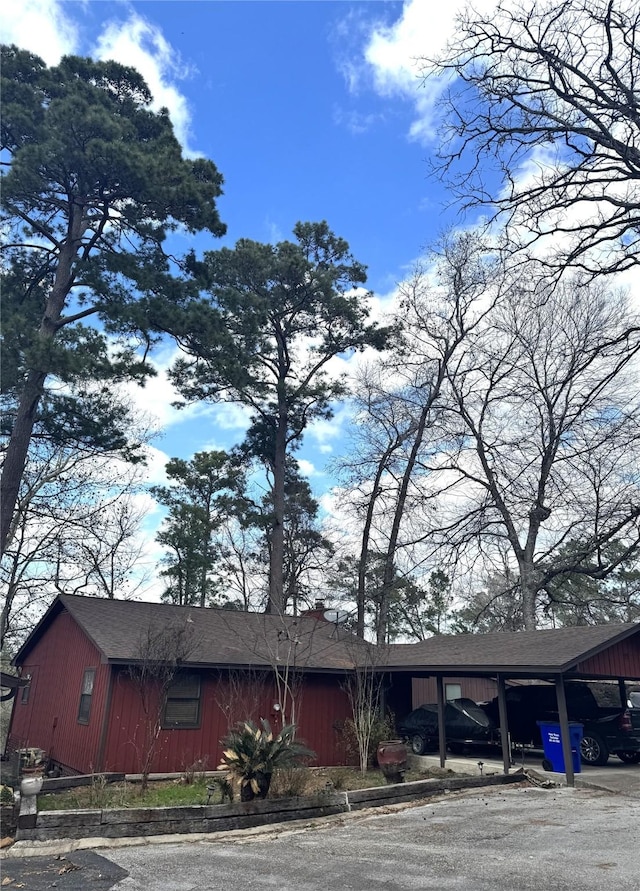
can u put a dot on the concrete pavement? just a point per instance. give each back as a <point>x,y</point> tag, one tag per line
<point>615,776</point>
<point>516,838</point>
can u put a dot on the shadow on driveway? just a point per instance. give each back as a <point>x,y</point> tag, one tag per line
<point>78,871</point>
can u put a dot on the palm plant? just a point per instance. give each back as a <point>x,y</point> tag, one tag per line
<point>252,753</point>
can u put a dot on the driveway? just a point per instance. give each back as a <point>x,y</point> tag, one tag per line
<point>511,838</point>
<point>614,776</point>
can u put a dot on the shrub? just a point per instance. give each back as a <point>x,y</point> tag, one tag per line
<point>382,729</point>
<point>252,753</point>
<point>289,782</point>
<point>194,772</point>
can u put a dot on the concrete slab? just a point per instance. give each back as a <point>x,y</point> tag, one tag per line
<point>615,776</point>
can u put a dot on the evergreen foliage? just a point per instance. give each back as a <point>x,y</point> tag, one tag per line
<point>95,182</point>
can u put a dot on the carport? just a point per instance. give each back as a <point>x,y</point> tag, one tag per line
<point>594,652</point>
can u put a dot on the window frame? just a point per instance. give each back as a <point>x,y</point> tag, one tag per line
<point>84,705</point>
<point>179,692</point>
<point>25,694</point>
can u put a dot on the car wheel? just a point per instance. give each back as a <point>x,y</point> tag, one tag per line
<point>418,744</point>
<point>629,757</point>
<point>593,750</point>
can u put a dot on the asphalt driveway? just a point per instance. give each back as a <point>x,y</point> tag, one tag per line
<point>503,839</point>
<point>511,838</point>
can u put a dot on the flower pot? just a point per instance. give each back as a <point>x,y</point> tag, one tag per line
<point>392,760</point>
<point>31,785</point>
<point>264,782</point>
<point>392,752</point>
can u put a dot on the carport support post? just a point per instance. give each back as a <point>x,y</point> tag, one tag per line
<point>442,733</point>
<point>623,692</point>
<point>504,725</point>
<point>561,696</point>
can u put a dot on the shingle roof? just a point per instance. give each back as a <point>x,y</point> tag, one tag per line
<point>219,636</point>
<point>223,637</point>
<point>550,650</point>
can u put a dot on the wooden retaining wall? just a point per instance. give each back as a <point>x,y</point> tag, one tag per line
<point>403,792</point>
<point>140,822</point>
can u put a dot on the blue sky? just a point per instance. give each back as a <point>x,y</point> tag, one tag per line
<point>312,110</point>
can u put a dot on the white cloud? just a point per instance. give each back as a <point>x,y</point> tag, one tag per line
<point>393,56</point>
<point>307,468</point>
<point>142,45</point>
<point>231,416</point>
<point>40,26</point>
<point>325,432</point>
<point>155,474</point>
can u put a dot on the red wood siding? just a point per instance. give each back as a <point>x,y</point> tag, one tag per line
<point>619,661</point>
<point>49,720</point>
<point>321,708</point>
<point>478,689</point>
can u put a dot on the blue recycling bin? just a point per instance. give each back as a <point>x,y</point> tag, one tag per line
<point>552,745</point>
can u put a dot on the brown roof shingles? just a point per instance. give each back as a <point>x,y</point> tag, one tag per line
<point>551,650</point>
<point>228,637</point>
<point>219,636</point>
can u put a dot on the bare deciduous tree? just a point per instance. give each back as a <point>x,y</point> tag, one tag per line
<point>541,434</point>
<point>439,309</point>
<point>364,688</point>
<point>74,531</point>
<point>548,93</point>
<point>161,652</point>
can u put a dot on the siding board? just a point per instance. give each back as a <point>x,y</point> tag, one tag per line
<point>50,719</point>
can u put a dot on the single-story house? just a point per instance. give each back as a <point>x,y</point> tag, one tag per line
<point>92,666</point>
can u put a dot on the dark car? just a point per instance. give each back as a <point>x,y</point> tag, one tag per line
<point>609,727</point>
<point>467,727</point>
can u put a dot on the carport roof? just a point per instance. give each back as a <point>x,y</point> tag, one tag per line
<point>525,653</point>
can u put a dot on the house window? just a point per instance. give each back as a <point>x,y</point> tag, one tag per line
<point>26,691</point>
<point>452,691</point>
<point>85,696</point>
<point>182,708</point>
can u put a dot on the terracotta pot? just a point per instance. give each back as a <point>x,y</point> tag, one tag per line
<point>392,752</point>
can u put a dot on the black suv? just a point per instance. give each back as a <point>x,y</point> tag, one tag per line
<point>608,728</point>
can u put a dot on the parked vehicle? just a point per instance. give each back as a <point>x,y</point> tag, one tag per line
<point>608,729</point>
<point>467,727</point>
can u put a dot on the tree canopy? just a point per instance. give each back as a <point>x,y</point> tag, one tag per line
<point>274,318</point>
<point>94,183</point>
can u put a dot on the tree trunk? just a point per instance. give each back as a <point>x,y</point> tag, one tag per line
<point>366,535</point>
<point>276,556</point>
<point>17,450</point>
<point>528,591</point>
<point>18,447</point>
<point>389,563</point>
